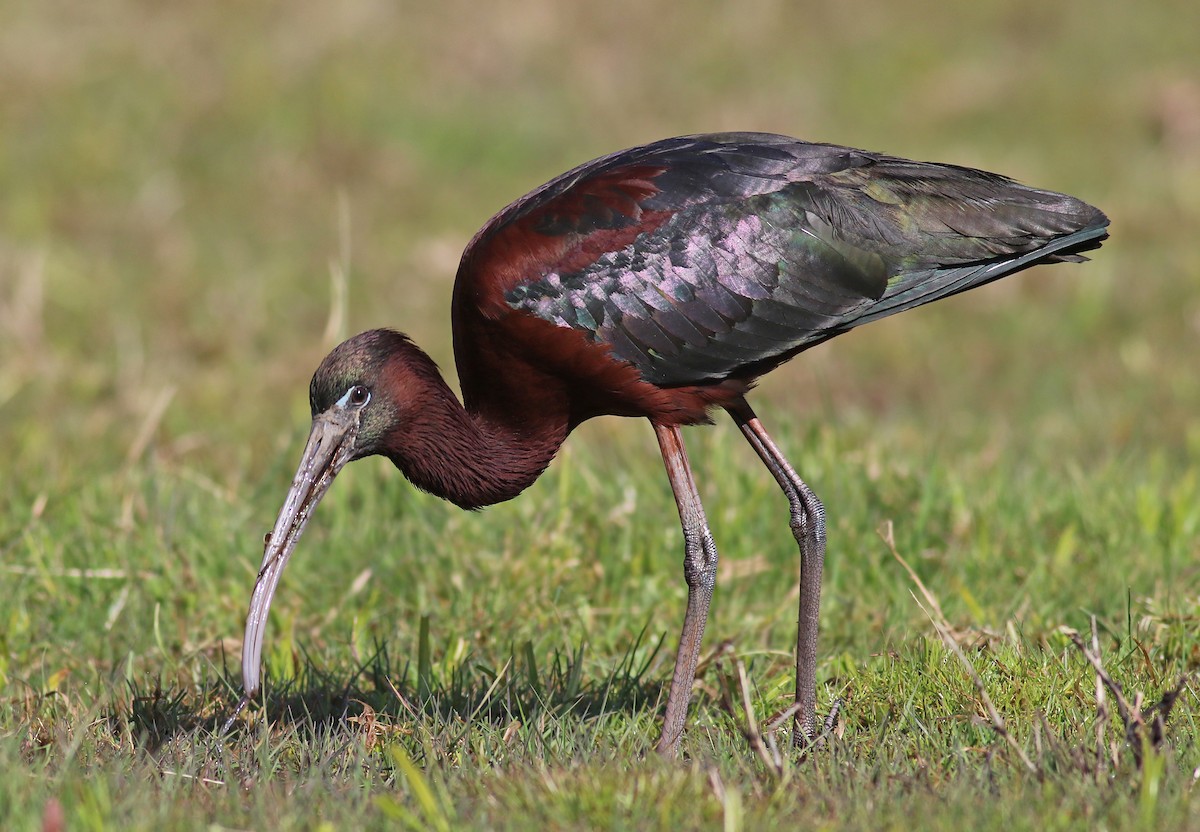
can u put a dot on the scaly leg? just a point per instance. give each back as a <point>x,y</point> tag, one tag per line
<point>700,572</point>
<point>808,527</point>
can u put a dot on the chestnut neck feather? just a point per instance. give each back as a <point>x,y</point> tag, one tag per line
<point>471,457</point>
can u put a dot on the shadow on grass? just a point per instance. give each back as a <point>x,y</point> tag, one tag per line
<point>321,701</point>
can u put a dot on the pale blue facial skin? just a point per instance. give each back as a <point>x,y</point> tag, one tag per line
<point>344,401</point>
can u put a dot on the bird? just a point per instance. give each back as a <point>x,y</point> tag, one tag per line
<point>661,282</point>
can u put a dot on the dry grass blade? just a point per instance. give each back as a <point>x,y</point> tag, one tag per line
<point>775,722</point>
<point>1134,716</point>
<point>483,703</point>
<point>769,755</point>
<point>97,574</point>
<point>934,611</point>
<point>339,277</point>
<point>149,425</point>
<point>1102,712</point>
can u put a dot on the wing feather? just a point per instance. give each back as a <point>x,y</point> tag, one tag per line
<point>705,257</point>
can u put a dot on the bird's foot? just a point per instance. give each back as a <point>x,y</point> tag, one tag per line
<point>817,740</point>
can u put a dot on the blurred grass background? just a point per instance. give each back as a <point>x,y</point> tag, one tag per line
<point>172,182</point>
<point>177,180</point>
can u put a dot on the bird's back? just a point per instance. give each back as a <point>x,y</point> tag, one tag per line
<point>706,258</point>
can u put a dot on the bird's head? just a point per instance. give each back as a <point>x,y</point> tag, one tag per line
<point>361,397</point>
<point>365,385</point>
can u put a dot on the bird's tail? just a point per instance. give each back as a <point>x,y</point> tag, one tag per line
<point>922,286</point>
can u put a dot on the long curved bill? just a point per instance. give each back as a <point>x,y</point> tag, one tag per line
<point>329,447</point>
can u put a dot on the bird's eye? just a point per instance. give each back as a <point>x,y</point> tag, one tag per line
<point>356,396</point>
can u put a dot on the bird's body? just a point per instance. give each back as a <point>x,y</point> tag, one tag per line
<point>702,262</point>
<point>660,282</point>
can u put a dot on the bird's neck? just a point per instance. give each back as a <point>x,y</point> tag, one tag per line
<point>475,457</point>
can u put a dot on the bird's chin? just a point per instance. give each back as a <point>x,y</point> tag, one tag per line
<point>330,446</point>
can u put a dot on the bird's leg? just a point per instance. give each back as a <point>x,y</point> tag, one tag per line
<point>700,572</point>
<point>808,527</point>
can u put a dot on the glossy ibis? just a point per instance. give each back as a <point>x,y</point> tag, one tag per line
<point>660,282</point>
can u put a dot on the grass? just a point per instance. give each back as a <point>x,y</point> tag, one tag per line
<point>175,189</point>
